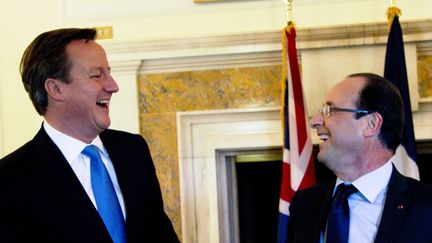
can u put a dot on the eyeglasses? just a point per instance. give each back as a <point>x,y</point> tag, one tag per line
<point>327,110</point>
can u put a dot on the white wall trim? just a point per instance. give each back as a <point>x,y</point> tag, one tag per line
<point>200,134</point>
<point>124,112</point>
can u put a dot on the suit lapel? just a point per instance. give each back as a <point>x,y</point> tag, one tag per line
<point>120,159</point>
<point>125,171</point>
<point>116,157</point>
<point>136,182</point>
<point>60,176</point>
<point>396,204</point>
<point>324,211</point>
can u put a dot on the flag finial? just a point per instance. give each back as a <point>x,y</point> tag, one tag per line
<point>288,4</point>
<point>392,12</point>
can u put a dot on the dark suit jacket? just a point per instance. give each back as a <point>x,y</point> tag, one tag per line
<point>407,215</point>
<point>41,199</point>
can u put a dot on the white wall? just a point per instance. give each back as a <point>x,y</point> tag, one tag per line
<point>135,20</point>
<point>18,119</point>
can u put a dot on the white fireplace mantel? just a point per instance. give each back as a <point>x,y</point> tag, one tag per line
<point>200,135</point>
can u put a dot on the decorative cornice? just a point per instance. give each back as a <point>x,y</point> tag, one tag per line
<point>424,48</point>
<point>125,67</point>
<point>249,48</point>
<point>361,34</point>
<point>214,62</point>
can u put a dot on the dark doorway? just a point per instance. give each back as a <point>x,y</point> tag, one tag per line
<point>258,186</point>
<point>424,160</point>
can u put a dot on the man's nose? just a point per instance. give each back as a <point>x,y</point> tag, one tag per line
<point>111,85</point>
<point>316,120</point>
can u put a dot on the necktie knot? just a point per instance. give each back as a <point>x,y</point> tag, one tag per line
<point>343,192</point>
<point>92,152</point>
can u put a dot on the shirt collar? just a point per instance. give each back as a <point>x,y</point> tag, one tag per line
<point>379,178</point>
<point>70,147</point>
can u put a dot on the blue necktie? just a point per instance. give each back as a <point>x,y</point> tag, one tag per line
<point>106,198</point>
<point>338,219</point>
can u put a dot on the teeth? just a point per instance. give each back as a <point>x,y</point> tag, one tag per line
<point>323,136</point>
<point>102,102</point>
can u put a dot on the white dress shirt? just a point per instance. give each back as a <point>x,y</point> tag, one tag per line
<point>71,149</point>
<point>367,205</point>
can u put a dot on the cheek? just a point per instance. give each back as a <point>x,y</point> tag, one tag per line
<point>347,137</point>
<point>80,103</point>
<point>340,132</point>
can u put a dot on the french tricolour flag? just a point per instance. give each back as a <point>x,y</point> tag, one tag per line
<point>395,71</point>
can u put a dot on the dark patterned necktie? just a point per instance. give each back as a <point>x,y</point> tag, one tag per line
<point>106,198</point>
<point>338,219</point>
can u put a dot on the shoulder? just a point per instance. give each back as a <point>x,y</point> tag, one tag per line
<point>120,137</point>
<point>119,134</point>
<point>17,157</point>
<point>413,188</point>
<point>408,202</point>
<point>316,190</point>
<point>120,140</point>
<point>417,187</point>
<point>307,209</point>
<point>16,167</point>
<point>314,195</point>
<point>404,182</point>
<point>41,144</point>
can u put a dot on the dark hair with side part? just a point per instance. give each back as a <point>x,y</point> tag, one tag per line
<point>45,58</point>
<point>381,96</point>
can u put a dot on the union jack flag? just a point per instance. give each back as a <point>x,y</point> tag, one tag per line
<point>298,161</point>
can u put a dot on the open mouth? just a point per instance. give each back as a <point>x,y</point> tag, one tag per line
<point>323,136</point>
<point>103,103</point>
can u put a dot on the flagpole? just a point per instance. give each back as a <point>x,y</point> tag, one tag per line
<point>297,145</point>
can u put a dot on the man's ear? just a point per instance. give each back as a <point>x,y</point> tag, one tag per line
<point>374,123</point>
<point>54,88</point>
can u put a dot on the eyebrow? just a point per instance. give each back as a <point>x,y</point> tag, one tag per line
<point>97,68</point>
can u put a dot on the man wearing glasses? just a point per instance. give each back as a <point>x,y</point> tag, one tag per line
<point>360,126</point>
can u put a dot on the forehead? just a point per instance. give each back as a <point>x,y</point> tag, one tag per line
<point>86,51</point>
<point>346,92</point>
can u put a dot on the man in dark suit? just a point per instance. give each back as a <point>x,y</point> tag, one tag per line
<point>360,126</point>
<point>77,181</point>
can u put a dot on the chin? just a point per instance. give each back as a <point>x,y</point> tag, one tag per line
<point>104,125</point>
<point>321,157</point>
